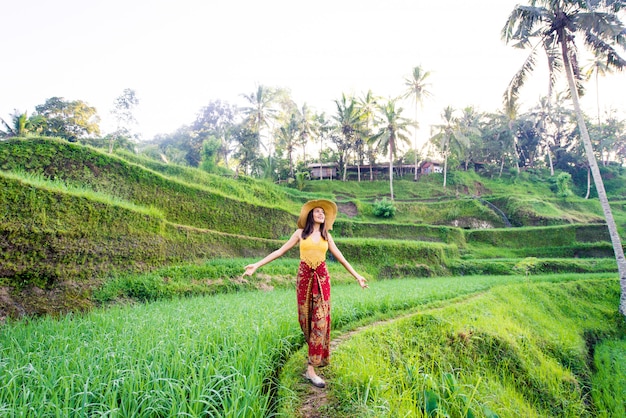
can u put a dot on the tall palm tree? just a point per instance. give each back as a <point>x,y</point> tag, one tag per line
<point>260,113</point>
<point>287,136</point>
<point>597,67</point>
<point>417,89</point>
<point>510,112</point>
<point>449,137</point>
<point>307,128</point>
<point>349,120</point>
<point>368,108</point>
<point>394,128</point>
<point>469,126</point>
<point>556,23</point>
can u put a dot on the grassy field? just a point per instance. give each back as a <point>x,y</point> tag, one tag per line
<point>139,264</point>
<point>219,355</point>
<point>514,350</point>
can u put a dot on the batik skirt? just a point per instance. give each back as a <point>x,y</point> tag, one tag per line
<point>313,293</point>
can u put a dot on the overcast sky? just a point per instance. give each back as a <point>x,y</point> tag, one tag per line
<point>180,55</point>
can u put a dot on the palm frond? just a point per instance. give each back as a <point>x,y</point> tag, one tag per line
<point>554,61</point>
<point>8,128</point>
<point>603,49</point>
<point>521,23</point>
<point>513,89</point>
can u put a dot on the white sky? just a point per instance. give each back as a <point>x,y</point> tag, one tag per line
<point>180,55</point>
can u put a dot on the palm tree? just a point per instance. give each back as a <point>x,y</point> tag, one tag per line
<point>19,125</point>
<point>349,121</point>
<point>449,137</point>
<point>394,128</point>
<point>367,108</point>
<point>417,88</point>
<point>260,113</point>
<point>555,23</point>
<point>307,128</point>
<point>287,138</point>
<point>469,126</point>
<point>324,130</point>
<point>597,67</point>
<point>510,111</point>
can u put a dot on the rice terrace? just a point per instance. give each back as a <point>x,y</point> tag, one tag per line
<point>477,271</point>
<point>122,294</point>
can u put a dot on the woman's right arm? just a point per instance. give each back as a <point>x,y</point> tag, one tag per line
<point>291,242</point>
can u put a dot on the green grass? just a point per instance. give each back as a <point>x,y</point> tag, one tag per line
<point>208,278</point>
<point>214,354</point>
<point>38,180</point>
<point>608,385</point>
<point>519,350</point>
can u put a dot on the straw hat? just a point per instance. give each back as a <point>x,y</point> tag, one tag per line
<point>330,212</point>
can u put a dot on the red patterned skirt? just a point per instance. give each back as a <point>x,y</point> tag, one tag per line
<point>313,293</point>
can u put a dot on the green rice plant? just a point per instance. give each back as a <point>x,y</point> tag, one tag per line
<point>194,356</point>
<point>516,350</point>
<point>211,277</point>
<point>608,387</point>
<point>214,355</point>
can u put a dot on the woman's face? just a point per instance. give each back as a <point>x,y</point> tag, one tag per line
<point>318,215</point>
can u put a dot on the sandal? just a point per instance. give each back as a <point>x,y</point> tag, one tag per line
<point>315,380</point>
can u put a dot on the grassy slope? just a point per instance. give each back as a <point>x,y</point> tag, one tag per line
<point>532,361</point>
<point>120,203</point>
<point>74,213</point>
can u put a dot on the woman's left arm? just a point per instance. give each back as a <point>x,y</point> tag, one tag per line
<point>332,247</point>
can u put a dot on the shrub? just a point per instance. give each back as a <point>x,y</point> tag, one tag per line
<point>384,208</point>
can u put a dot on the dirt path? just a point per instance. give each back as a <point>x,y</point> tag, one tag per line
<point>316,398</point>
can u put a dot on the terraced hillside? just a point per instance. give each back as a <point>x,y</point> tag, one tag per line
<point>70,216</point>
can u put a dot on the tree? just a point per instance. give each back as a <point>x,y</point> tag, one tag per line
<point>69,120</point>
<point>248,145</point>
<point>260,113</point>
<point>368,108</point>
<point>510,112</point>
<point>597,67</point>
<point>449,138</point>
<point>394,128</point>
<point>123,109</point>
<point>556,23</point>
<point>469,127</point>
<point>287,136</point>
<point>417,89</point>
<point>307,128</point>
<point>19,126</point>
<point>498,143</point>
<point>349,121</point>
<point>210,151</point>
<point>324,129</point>
<point>217,119</point>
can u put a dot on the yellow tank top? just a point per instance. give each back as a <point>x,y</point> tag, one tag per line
<point>313,253</point>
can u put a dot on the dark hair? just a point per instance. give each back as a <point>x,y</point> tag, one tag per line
<point>308,227</point>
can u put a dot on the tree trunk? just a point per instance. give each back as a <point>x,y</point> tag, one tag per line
<point>321,147</point>
<point>391,143</point>
<point>445,168</point>
<point>515,151</point>
<point>588,183</point>
<point>595,171</point>
<point>415,143</point>
<point>550,160</point>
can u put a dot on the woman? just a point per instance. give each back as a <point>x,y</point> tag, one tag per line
<point>313,282</point>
